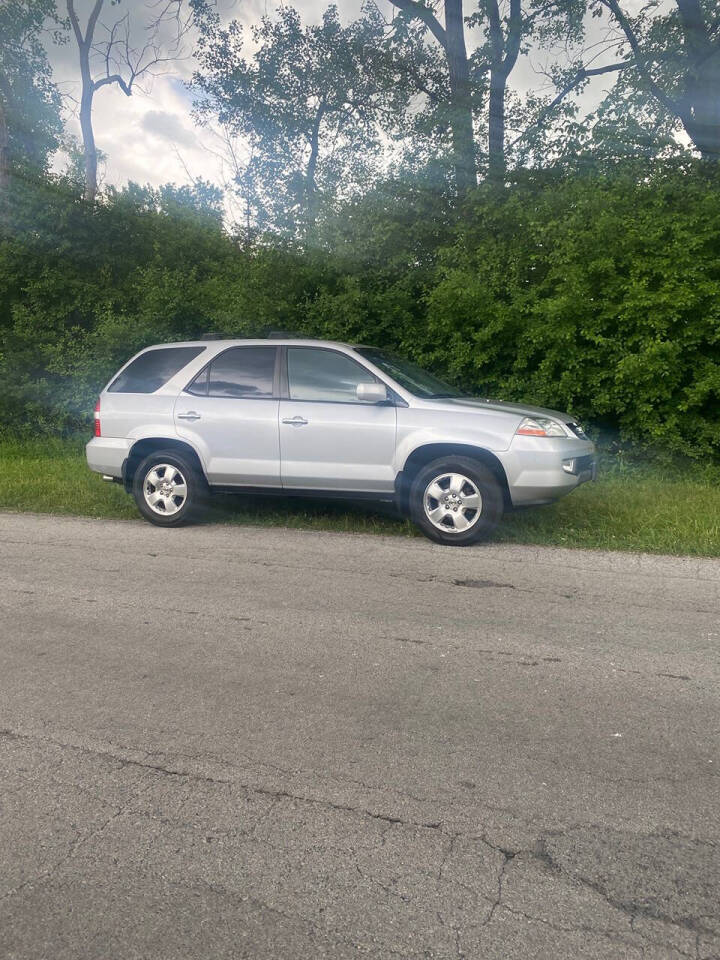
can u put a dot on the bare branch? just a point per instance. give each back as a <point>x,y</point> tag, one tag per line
<point>115,78</point>
<point>124,64</point>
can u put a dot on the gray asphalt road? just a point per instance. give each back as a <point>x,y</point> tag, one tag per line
<point>256,743</point>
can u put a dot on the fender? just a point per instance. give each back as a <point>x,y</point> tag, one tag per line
<point>426,452</point>
<point>145,444</point>
<point>421,426</point>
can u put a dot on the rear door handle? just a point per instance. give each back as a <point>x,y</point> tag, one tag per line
<point>295,421</point>
<point>190,415</point>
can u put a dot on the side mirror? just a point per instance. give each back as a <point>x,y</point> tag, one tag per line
<point>372,392</point>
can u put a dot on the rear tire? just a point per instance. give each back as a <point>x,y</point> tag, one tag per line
<point>168,489</point>
<point>456,501</point>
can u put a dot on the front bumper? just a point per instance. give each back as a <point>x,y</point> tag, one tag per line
<point>106,455</point>
<point>543,469</point>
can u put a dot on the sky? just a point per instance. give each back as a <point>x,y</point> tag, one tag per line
<point>151,137</point>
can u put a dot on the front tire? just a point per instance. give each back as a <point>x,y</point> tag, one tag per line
<point>456,501</point>
<point>168,489</point>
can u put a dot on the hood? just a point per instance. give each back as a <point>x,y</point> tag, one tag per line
<point>521,409</point>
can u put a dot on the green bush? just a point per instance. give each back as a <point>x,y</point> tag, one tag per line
<point>596,293</point>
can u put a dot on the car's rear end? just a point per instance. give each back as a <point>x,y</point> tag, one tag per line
<point>138,402</point>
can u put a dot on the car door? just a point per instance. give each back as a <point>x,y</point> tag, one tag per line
<point>229,413</point>
<point>329,439</point>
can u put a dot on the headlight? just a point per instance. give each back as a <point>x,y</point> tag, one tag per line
<point>540,427</point>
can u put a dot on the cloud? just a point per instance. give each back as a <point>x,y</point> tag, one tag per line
<point>168,126</point>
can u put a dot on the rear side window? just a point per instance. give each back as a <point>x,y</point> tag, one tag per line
<point>238,372</point>
<point>152,370</point>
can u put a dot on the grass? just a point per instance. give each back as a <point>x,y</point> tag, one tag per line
<point>643,507</point>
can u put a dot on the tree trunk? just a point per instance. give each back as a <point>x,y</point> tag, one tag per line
<point>496,126</point>
<point>504,57</point>
<point>86,126</point>
<point>699,105</point>
<point>451,38</point>
<point>701,119</point>
<point>310,187</point>
<point>4,151</point>
<point>461,117</point>
<point>85,43</point>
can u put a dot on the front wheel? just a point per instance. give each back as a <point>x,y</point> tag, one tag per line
<point>167,489</point>
<point>456,501</point>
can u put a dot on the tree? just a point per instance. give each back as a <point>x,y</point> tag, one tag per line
<point>30,121</point>
<point>451,38</point>
<point>667,63</point>
<point>513,28</point>
<point>478,110</point>
<point>675,57</point>
<point>504,50</point>
<point>121,61</point>
<point>308,105</point>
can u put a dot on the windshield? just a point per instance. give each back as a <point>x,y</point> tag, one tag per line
<point>409,375</point>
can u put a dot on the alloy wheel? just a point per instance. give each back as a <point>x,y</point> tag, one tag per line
<point>452,503</point>
<point>164,489</point>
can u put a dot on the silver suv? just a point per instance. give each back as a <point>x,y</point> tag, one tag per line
<point>312,417</point>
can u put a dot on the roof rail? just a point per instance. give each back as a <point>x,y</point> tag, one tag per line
<point>284,335</point>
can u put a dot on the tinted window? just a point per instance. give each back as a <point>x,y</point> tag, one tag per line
<point>409,374</point>
<point>151,370</point>
<point>199,386</point>
<point>324,375</point>
<point>243,372</point>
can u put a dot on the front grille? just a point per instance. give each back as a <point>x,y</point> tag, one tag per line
<point>578,430</point>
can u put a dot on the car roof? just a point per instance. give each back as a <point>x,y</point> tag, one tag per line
<point>257,341</point>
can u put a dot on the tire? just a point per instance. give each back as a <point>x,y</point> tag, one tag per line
<point>171,509</point>
<point>465,514</point>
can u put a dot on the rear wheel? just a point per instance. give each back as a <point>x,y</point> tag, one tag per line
<point>456,501</point>
<point>168,489</point>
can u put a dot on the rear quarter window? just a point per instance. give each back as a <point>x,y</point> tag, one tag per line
<point>152,370</point>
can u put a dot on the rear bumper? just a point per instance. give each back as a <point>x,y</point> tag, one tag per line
<point>107,454</point>
<point>543,469</point>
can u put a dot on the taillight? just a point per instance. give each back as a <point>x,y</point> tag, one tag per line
<point>98,431</point>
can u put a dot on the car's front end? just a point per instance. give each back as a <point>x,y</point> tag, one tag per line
<point>548,457</point>
<point>544,454</point>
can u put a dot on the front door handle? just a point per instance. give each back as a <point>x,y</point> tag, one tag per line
<point>190,415</point>
<point>295,421</point>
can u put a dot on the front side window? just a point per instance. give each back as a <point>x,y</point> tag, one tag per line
<point>152,369</point>
<point>238,372</point>
<point>409,375</point>
<point>324,375</point>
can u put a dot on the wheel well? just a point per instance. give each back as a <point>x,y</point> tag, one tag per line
<point>433,451</point>
<point>142,448</point>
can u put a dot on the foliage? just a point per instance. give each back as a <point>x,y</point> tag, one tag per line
<point>309,105</point>
<point>595,292</point>
<point>599,294</point>
<point>81,288</point>
<point>28,97</point>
